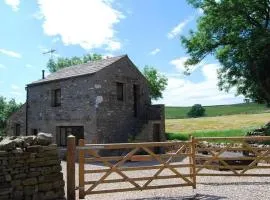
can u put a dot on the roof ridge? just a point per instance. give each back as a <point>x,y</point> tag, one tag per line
<point>89,62</point>
<point>80,69</point>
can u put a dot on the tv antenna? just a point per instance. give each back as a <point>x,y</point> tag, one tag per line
<point>51,51</point>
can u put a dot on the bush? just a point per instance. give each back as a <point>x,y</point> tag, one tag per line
<point>196,111</point>
<point>177,136</point>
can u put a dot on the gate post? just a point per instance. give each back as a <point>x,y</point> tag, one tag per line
<point>71,150</point>
<point>193,154</point>
<point>81,170</point>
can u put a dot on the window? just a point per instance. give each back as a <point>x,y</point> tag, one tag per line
<point>17,129</point>
<point>120,91</point>
<point>56,97</point>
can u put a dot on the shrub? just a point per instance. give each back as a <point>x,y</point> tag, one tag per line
<point>196,111</point>
<point>177,136</point>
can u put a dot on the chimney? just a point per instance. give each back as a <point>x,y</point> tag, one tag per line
<point>43,74</point>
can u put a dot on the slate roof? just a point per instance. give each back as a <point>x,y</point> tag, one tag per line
<point>78,70</point>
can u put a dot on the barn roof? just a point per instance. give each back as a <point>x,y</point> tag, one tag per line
<point>79,70</point>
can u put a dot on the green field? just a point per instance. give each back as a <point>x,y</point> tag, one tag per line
<point>219,110</point>
<point>220,126</point>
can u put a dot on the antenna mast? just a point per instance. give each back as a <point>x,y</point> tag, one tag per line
<point>49,52</point>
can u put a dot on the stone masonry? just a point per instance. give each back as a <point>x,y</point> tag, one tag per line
<point>30,169</point>
<point>89,100</point>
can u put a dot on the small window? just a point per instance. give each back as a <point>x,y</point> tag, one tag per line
<point>120,91</point>
<point>17,130</point>
<point>56,97</point>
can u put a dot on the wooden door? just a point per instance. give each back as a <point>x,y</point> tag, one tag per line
<point>156,136</point>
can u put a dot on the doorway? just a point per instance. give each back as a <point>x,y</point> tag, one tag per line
<point>156,136</point>
<point>136,96</point>
<point>64,131</point>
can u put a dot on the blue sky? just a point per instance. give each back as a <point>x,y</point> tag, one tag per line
<point>147,30</point>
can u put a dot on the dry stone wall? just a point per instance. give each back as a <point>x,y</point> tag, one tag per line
<point>30,169</point>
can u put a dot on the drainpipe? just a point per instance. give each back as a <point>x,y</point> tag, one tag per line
<point>26,112</point>
<point>43,74</point>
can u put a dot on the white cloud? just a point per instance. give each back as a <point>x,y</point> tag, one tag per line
<point>107,55</point>
<point>179,28</point>
<point>14,4</point>
<point>55,40</point>
<point>179,63</point>
<point>16,90</point>
<point>210,72</point>
<point>15,87</point>
<point>2,66</point>
<point>113,46</point>
<point>155,51</point>
<point>183,92</point>
<point>10,53</point>
<point>89,24</point>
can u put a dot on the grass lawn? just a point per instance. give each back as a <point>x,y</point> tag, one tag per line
<point>220,110</point>
<point>222,126</point>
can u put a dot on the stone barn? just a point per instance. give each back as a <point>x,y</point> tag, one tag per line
<point>104,101</point>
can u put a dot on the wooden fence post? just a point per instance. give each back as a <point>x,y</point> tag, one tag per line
<point>81,170</point>
<point>190,157</point>
<point>71,151</point>
<point>193,158</point>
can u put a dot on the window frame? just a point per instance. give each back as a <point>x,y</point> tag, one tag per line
<point>120,93</point>
<point>56,97</point>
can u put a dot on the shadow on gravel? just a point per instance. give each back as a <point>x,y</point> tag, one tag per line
<point>236,183</point>
<point>194,197</point>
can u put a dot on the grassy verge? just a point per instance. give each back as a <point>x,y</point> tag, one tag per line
<point>218,110</point>
<point>211,133</point>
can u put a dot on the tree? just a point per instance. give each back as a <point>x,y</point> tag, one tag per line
<point>237,33</point>
<point>157,82</point>
<point>6,109</point>
<point>60,63</point>
<point>196,111</point>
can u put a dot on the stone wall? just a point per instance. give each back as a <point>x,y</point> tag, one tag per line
<point>116,121</point>
<point>78,100</point>
<point>30,169</point>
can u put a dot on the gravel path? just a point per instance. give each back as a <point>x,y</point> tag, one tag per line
<point>214,188</point>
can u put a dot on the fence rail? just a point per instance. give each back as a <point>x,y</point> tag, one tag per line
<point>236,160</point>
<point>184,160</point>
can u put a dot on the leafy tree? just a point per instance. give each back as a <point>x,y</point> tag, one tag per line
<point>237,33</point>
<point>196,111</point>
<point>60,63</point>
<point>157,82</point>
<point>6,109</point>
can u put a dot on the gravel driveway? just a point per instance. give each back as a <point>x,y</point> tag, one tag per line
<point>207,187</point>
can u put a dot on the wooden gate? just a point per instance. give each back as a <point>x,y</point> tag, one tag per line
<point>235,155</point>
<point>180,162</point>
<point>134,166</point>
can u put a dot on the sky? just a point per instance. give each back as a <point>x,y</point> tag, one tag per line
<point>147,31</point>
